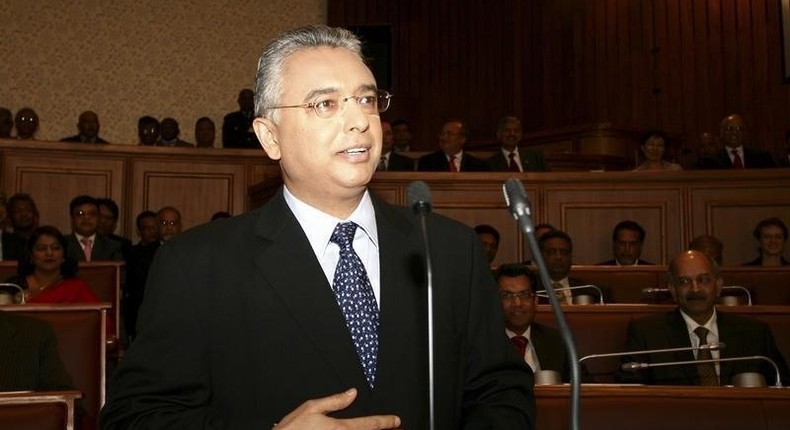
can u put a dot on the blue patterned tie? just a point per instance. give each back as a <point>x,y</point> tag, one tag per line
<point>355,298</point>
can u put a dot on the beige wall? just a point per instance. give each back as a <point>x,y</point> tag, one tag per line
<point>127,59</point>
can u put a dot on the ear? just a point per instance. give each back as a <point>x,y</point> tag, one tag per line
<point>266,131</point>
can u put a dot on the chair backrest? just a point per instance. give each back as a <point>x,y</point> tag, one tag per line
<point>42,410</point>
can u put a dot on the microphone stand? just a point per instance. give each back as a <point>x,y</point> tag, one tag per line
<point>429,271</point>
<point>636,366</point>
<point>710,347</point>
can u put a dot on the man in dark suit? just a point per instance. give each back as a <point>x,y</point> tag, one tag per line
<point>88,126</point>
<point>557,249</point>
<point>695,284</point>
<point>84,243</point>
<point>237,126</point>
<point>627,240</point>
<point>12,247</point>
<point>451,156</point>
<point>137,267</point>
<point>735,154</point>
<point>248,318</point>
<point>391,160</point>
<point>108,222</point>
<point>511,158</point>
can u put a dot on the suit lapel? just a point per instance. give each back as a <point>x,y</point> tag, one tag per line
<point>678,333</point>
<point>287,264</point>
<point>727,335</point>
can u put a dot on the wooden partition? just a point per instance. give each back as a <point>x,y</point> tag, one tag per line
<point>672,207</point>
<point>39,410</point>
<point>600,329</point>
<point>80,331</point>
<point>665,407</point>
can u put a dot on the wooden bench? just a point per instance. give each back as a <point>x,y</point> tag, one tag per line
<point>80,331</point>
<point>603,329</point>
<point>41,410</point>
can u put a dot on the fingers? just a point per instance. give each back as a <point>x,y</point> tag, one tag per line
<point>312,414</point>
<point>373,422</point>
<point>332,403</point>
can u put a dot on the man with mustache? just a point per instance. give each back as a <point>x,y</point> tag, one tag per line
<point>695,284</point>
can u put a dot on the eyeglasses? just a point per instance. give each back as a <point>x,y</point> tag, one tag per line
<point>171,223</point>
<point>371,103</point>
<point>509,296</point>
<point>86,214</point>
<point>557,251</point>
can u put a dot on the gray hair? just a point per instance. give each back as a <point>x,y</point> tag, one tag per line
<point>269,78</point>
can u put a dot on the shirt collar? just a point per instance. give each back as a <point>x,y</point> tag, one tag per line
<point>80,237</point>
<point>710,324</point>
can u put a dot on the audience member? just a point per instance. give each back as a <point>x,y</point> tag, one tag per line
<point>489,237</point>
<point>401,134</point>
<point>710,246</point>
<point>88,127</point>
<point>260,268</point>
<point>735,154</point>
<point>510,157</point>
<point>49,275</point>
<point>707,147</point>
<point>695,283</point>
<point>6,123</point>
<point>205,132</point>
<point>147,227</point>
<point>771,234</point>
<point>541,346</point>
<point>11,245</point>
<point>84,243</point>
<point>237,129</point>
<point>541,229</point>
<point>653,147</point>
<point>451,157</point>
<point>139,264</point>
<point>108,222</point>
<point>557,250</point>
<point>391,160</point>
<point>148,130</point>
<point>29,359</point>
<point>219,215</point>
<point>23,215</point>
<point>169,220</point>
<point>26,124</point>
<point>627,240</point>
<point>169,134</point>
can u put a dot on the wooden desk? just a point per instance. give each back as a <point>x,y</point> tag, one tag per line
<point>664,407</point>
<point>38,410</point>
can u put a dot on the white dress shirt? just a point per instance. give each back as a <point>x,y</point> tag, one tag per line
<point>530,356</point>
<point>713,335</point>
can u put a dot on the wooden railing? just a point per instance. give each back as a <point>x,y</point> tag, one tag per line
<point>38,410</point>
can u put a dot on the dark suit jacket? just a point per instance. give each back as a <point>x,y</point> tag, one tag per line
<point>742,337</point>
<point>239,326</point>
<point>752,159</point>
<point>29,357</point>
<point>613,262</point>
<point>104,249</point>
<point>77,138</point>
<point>531,161</point>
<point>552,353</point>
<point>235,132</point>
<point>399,163</point>
<point>137,266</point>
<point>13,246</point>
<point>437,162</point>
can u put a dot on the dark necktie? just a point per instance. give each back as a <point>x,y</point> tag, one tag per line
<point>707,371</point>
<point>737,161</point>
<point>521,343</point>
<point>453,167</point>
<point>355,297</point>
<point>513,163</point>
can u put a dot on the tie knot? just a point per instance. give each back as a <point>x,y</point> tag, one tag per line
<point>734,152</point>
<point>520,341</point>
<point>344,234</point>
<point>85,241</point>
<point>702,334</point>
<point>512,155</point>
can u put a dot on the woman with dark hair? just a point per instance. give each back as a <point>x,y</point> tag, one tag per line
<point>653,148</point>
<point>771,233</point>
<point>46,274</point>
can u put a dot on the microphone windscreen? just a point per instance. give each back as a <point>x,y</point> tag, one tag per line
<point>419,195</point>
<point>514,192</point>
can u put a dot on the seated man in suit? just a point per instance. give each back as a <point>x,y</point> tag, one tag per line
<point>510,157</point>
<point>108,222</point>
<point>695,284</point>
<point>541,346</point>
<point>627,240</point>
<point>735,154</point>
<point>557,250</point>
<point>88,127</point>
<point>237,126</point>
<point>451,157</point>
<point>489,238</point>
<point>391,160</point>
<point>85,243</point>
<point>23,215</point>
<point>310,311</point>
<point>11,246</point>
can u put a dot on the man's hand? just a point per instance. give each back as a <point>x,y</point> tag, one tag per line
<point>312,415</point>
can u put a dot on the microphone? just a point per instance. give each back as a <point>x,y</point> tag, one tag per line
<point>516,199</point>
<point>578,287</point>
<point>710,347</point>
<point>726,287</point>
<point>9,286</point>
<point>419,198</point>
<point>633,366</point>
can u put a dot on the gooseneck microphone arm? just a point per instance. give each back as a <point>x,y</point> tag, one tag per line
<point>633,366</point>
<point>578,287</point>
<point>419,197</point>
<point>710,347</point>
<point>516,199</point>
<point>726,287</point>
